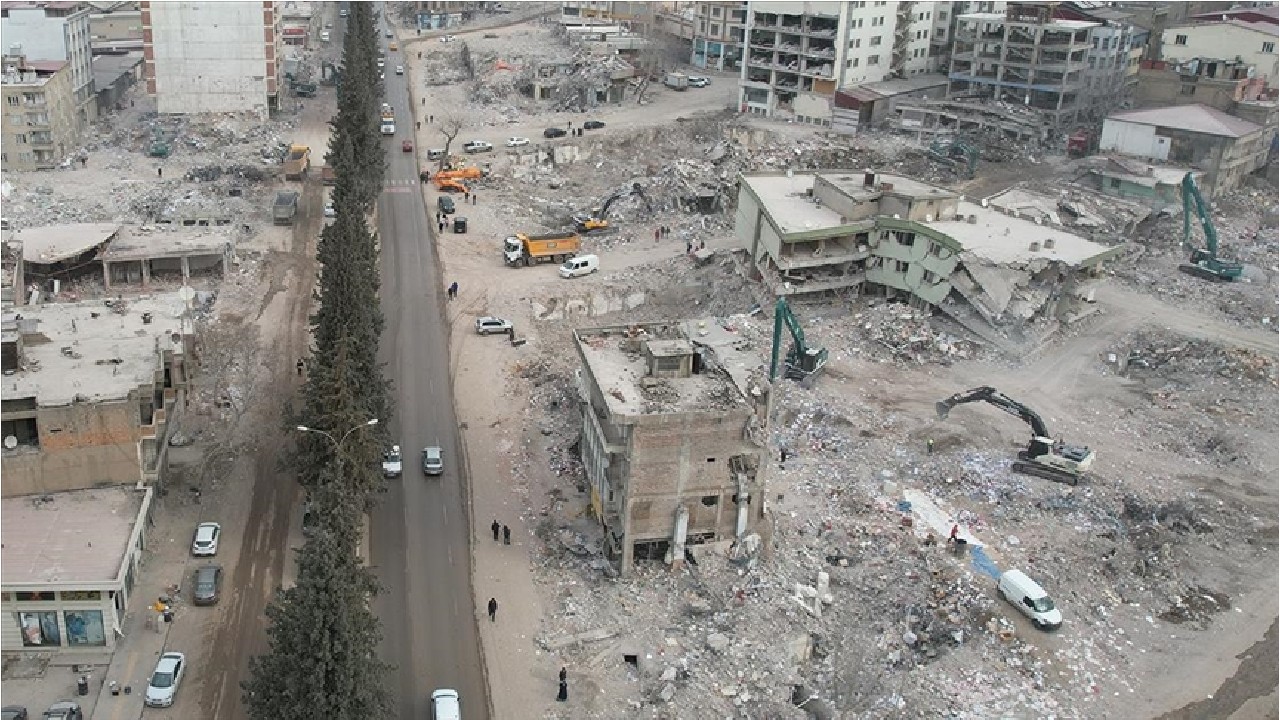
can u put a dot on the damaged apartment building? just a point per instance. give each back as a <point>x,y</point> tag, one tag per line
<point>672,425</point>
<point>990,269</point>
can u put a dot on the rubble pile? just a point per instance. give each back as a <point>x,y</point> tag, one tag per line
<point>888,332</point>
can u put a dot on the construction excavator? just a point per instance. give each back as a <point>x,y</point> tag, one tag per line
<point>451,180</point>
<point>956,153</point>
<point>597,221</point>
<point>1044,457</point>
<point>1205,262</point>
<point>802,362</point>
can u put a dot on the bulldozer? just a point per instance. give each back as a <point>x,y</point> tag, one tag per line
<point>1044,457</point>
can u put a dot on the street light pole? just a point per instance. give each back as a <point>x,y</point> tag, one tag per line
<point>337,444</point>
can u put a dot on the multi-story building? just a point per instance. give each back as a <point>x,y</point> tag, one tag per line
<point>671,434</point>
<point>718,32</point>
<point>1218,83</point>
<point>1253,42</point>
<point>39,113</point>
<point>941,38</point>
<point>1109,80</point>
<point>213,57</point>
<point>46,32</point>
<point>799,54</point>
<point>1025,56</point>
<point>634,15</point>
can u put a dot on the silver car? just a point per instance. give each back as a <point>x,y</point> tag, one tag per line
<point>487,325</point>
<point>432,460</point>
<point>163,688</point>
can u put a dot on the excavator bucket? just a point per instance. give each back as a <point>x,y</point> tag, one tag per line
<point>943,409</point>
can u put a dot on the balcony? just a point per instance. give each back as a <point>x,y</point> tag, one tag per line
<point>826,51</point>
<point>41,139</point>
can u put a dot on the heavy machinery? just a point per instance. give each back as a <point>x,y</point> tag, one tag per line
<point>955,153</point>
<point>1044,457</point>
<point>451,180</point>
<point>596,221</point>
<point>523,249</point>
<point>297,161</point>
<point>802,362</point>
<point>1205,263</point>
<point>160,146</point>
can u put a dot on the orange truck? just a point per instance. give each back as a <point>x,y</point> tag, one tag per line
<point>297,162</point>
<point>451,180</point>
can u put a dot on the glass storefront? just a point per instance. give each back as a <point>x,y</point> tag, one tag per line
<point>84,627</point>
<point>39,629</point>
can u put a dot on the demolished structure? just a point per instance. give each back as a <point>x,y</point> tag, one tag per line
<point>672,430</point>
<point>845,231</point>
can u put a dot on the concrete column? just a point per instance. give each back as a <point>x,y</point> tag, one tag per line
<point>146,273</point>
<point>678,539</point>
<point>744,507</point>
<point>628,552</point>
<point>106,275</point>
<point>186,269</point>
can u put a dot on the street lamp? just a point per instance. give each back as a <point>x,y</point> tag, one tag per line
<point>337,444</point>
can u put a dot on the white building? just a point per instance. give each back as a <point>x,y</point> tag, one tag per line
<point>1107,79</point>
<point>799,53</point>
<point>1253,43</point>
<point>719,29</point>
<point>49,31</point>
<point>213,57</point>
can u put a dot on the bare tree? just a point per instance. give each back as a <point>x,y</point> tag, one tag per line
<point>449,128</point>
<point>231,376</point>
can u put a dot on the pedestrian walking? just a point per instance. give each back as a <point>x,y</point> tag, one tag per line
<point>466,196</point>
<point>955,531</point>
<point>506,535</point>
<point>453,290</point>
<point>564,675</point>
<point>475,199</point>
<point>301,365</point>
<point>495,527</point>
<point>782,455</point>
<point>563,695</point>
<point>928,446</point>
<point>702,244</point>
<point>656,235</point>
<point>493,609</point>
<point>688,247</point>
<point>160,172</point>
<point>440,225</point>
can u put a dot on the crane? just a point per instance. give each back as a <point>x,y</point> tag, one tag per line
<point>1205,262</point>
<point>802,362</point>
<point>596,221</point>
<point>1044,458</point>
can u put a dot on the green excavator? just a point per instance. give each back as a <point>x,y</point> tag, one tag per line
<point>802,362</point>
<point>1205,262</point>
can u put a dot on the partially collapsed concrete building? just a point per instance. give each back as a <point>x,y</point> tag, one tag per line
<point>862,232</point>
<point>672,425</point>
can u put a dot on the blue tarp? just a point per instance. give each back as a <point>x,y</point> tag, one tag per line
<point>982,563</point>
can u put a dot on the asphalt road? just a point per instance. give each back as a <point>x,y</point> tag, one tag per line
<point>420,539</point>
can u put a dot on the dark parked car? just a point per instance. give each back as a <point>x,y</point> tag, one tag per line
<point>445,204</point>
<point>593,124</point>
<point>459,224</point>
<point>554,132</point>
<point>208,585</point>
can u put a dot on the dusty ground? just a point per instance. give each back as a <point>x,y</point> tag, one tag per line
<point>1181,508</point>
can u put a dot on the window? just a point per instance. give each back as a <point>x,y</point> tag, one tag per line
<point>873,60</point>
<point>1180,40</point>
<point>12,101</point>
<point>710,500</point>
<point>904,238</point>
<point>16,119</point>
<point>1188,89</point>
<point>1115,183</point>
<point>942,15</point>
<point>874,42</point>
<point>84,627</point>
<point>81,595</point>
<point>715,30</point>
<point>20,138</point>
<point>929,277</point>
<point>1268,47</point>
<point>853,63</point>
<point>901,266</point>
<point>715,12</point>
<point>46,596</point>
<point>667,363</point>
<point>39,629</point>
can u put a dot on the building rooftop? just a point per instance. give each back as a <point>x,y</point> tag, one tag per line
<point>1054,24</point>
<point>1266,28</point>
<point>68,537</point>
<point>889,88</point>
<point>139,242</point>
<point>92,352</point>
<point>1192,118</point>
<point>617,360</point>
<point>50,243</point>
<point>1003,239</point>
<point>785,199</point>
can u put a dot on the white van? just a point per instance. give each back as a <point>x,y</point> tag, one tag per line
<point>444,705</point>
<point>324,36</point>
<point>579,266</point>
<point>1031,599</point>
<point>435,154</point>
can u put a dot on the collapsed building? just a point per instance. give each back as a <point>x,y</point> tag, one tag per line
<point>672,434</point>
<point>842,231</point>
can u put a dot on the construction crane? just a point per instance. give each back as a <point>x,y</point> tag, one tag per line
<point>802,362</point>
<point>1044,457</point>
<point>451,180</point>
<point>1205,263</point>
<point>596,221</point>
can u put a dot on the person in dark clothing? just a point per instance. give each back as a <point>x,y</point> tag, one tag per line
<point>564,675</point>
<point>495,527</point>
<point>493,609</point>
<point>506,535</point>
<point>301,365</point>
<point>453,290</point>
<point>955,532</point>
<point>563,695</point>
<point>159,172</point>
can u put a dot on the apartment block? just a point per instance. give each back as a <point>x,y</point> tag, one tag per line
<point>672,428</point>
<point>719,31</point>
<point>1027,57</point>
<point>219,57</point>
<point>1215,82</point>
<point>634,15</point>
<point>47,32</point>
<point>40,114</point>
<point>1252,42</point>
<point>798,54</point>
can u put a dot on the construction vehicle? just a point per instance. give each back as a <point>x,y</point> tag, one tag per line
<point>1078,143</point>
<point>296,162</point>
<point>285,208</point>
<point>802,362</point>
<point>160,147</point>
<point>451,180</point>
<point>529,249</point>
<point>597,221</point>
<point>676,81</point>
<point>1044,457</point>
<point>955,153</point>
<point>1205,262</point>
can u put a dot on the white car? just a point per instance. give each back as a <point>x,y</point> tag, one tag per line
<point>517,141</point>
<point>205,543</point>
<point>399,69</point>
<point>381,63</point>
<point>477,146</point>
<point>445,706</point>
<point>392,462</point>
<point>448,38</point>
<point>329,210</point>
<point>698,81</point>
<point>488,325</point>
<point>163,687</point>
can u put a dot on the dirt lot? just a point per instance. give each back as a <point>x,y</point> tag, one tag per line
<point>1164,562</point>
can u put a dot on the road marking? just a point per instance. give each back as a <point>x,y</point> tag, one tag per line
<point>396,190</point>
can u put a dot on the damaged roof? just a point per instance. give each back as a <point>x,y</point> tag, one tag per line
<point>1001,238</point>
<point>1192,118</point>
<point>52,243</point>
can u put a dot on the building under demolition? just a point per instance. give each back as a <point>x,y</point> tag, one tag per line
<point>671,415</point>
<point>990,269</point>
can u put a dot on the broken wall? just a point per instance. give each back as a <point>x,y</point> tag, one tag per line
<point>81,446</point>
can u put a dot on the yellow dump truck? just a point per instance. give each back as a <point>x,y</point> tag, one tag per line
<point>297,162</point>
<point>529,249</point>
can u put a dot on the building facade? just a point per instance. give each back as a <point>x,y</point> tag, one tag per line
<point>40,115</point>
<point>636,16</point>
<point>55,32</point>
<point>1251,43</point>
<point>719,29</point>
<point>213,57</point>
<point>666,441</point>
<point>1026,57</point>
<point>1218,83</point>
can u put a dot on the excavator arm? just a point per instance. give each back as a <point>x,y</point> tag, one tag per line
<point>990,395</point>
<point>802,361</point>
<point>1191,196</point>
